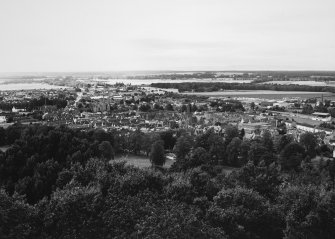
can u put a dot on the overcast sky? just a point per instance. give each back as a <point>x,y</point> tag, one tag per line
<point>113,35</point>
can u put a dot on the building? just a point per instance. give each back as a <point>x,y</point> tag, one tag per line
<point>325,117</point>
<point>14,110</point>
<point>3,119</point>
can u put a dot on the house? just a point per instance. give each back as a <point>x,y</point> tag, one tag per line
<point>3,119</point>
<point>313,129</point>
<point>15,110</point>
<point>325,117</point>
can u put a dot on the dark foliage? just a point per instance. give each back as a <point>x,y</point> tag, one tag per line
<point>57,183</point>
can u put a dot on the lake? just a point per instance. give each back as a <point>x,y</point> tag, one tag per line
<point>28,86</point>
<point>150,81</point>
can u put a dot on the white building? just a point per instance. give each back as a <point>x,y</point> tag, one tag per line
<point>2,119</point>
<point>14,110</point>
<point>325,117</point>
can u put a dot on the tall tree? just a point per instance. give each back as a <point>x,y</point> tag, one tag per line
<point>291,156</point>
<point>267,140</point>
<point>309,141</point>
<point>157,156</point>
<point>233,151</point>
<point>230,133</point>
<point>183,146</point>
<point>2,136</point>
<point>106,150</point>
<point>281,141</point>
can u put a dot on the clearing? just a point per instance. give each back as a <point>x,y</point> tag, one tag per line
<point>139,161</point>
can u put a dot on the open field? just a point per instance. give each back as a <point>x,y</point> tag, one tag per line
<point>228,169</point>
<point>265,94</point>
<point>139,161</point>
<point>310,83</point>
<point>4,148</point>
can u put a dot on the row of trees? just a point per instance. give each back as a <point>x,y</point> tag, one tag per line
<point>234,150</point>
<point>35,104</point>
<point>211,86</point>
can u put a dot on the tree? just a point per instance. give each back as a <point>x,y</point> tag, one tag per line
<point>281,141</point>
<point>2,136</point>
<point>331,111</point>
<point>136,138</point>
<point>242,133</point>
<point>168,139</point>
<point>144,107</point>
<point>307,109</point>
<point>309,141</point>
<point>321,108</point>
<point>233,150</point>
<point>157,156</point>
<point>267,140</point>
<point>217,149</point>
<point>244,213</point>
<point>258,153</point>
<point>169,107</point>
<point>73,213</point>
<point>244,152</point>
<point>281,128</point>
<point>176,221</point>
<point>106,150</point>
<point>17,219</point>
<point>331,171</point>
<point>148,140</point>
<point>183,108</point>
<point>230,133</point>
<point>183,146</point>
<point>310,212</point>
<point>100,135</point>
<point>291,156</point>
<point>264,180</point>
<point>197,157</point>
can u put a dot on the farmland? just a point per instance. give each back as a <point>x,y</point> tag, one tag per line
<point>266,94</point>
<point>309,82</point>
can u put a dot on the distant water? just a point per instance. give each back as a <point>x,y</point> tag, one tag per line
<point>27,86</point>
<point>150,81</point>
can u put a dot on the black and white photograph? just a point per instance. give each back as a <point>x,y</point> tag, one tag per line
<point>156,119</point>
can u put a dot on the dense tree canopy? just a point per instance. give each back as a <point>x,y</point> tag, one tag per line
<point>56,183</point>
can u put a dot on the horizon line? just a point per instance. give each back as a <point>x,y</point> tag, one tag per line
<point>124,71</point>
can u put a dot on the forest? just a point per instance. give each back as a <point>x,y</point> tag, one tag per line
<point>217,86</point>
<point>58,182</point>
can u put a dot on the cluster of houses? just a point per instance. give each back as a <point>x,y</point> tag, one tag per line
<point>119,108</point>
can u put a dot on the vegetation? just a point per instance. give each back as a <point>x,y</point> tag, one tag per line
<point>56,183</point>
<point>35,104</point>
<point>216,86</point>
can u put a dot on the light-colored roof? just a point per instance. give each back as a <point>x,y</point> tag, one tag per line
<point>319,113</point>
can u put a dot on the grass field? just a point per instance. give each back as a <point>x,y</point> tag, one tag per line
<point>139,161</point>
<point>4,148</point>
<point>228,169</point>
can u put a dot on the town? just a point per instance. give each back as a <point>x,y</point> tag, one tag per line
<point>148,109</point>
<point>121,156</point>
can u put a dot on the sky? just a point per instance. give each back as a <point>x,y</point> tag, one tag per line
<point>125,35</point>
